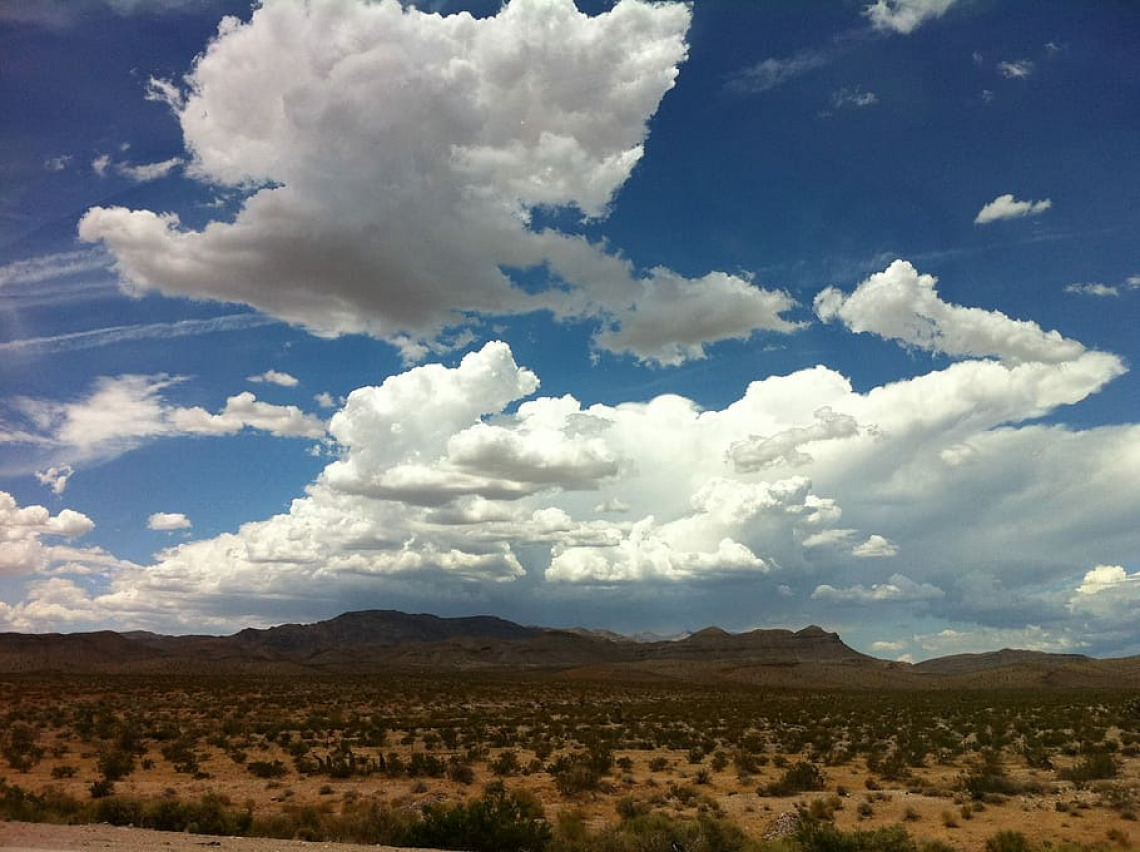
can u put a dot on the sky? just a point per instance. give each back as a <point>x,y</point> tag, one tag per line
<point>623,315</point>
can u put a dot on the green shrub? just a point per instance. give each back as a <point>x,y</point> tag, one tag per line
<point>825,837</point>
<point>1095,766</point>
<point>500,821</point>
<point>265,769</point>
<point>19,747</point>
<point>799,778</point>
<point>1009,841</point>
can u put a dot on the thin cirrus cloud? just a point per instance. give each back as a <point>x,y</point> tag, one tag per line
<point>1008,207</point>
<point>99,337</point>
<point>414,161</point>
<point>467,475</point>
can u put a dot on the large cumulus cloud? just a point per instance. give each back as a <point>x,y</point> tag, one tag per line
<point>394,160</point>
<point>936,497</point>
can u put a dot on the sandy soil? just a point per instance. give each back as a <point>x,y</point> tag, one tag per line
<point>25,837</point>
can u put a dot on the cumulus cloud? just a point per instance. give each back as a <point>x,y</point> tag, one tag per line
<point>167,521</point>
<point>461,479</point>
<point>1008,207</point>
<point>904,16</point>
<point>888,647</point>
<point>1104,577</point>
<point>673,318</point>
<point>784,448</point>
<point>22,529</point>
<point>875,547</point>
<point>275,377</point>
<point>392,177</point>
<point>121,413</point>
<point>898,588</point>
<point>55,478</point>
<point>901,304</point>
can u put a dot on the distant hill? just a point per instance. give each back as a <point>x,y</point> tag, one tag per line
<point>972,663</point>
<point>387,640</point>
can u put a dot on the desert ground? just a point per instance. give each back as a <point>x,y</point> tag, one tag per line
<point>360,758</point>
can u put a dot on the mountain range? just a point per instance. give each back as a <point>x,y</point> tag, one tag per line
<point>375,641</point>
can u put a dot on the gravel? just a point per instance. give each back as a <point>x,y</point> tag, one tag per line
<point>39,837</point>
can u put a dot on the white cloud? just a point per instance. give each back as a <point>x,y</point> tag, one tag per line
<point>1007,207</point>
<point>875,547</point>
<point>888,647</point>
<point>21,531</point>
<point>1105,577</point>
<point>245,411</point>
<point>900,304</point>
<point>274,377</point>
<point>101,164</point>
<point>166,521</point>
<point>123,412</point>
<point>459,480</point>
<point>1094,289</point>
<point>857,98</point>
<point>905,16</point>
<point>757,452</point>
<point>899,588</point>
<point>1018,70</point>
<point>392,176</point>
<point>55,478</point>
<point>1106,602</point>
<point>325,400</point>
<point>51,266</point>
<point>1132,282</point>
<point>142,172</point>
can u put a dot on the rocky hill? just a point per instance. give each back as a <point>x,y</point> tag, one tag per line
<point>378,640</point>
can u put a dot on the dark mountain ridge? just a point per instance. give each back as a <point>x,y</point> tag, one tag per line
<point>373,641</point>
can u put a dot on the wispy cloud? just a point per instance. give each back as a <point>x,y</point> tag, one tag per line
<point>148,171</point>
<point>128,333</point>
<point>51,266</point>
<point>1093,289</point>
<point>773,72</point>
<point>856,97</point>
<point>1018,70</point>
<point>139,172</point>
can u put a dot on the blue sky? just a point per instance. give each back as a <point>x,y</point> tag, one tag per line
<point>623,315</point>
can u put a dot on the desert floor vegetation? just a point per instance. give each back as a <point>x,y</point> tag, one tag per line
<point>537,763</point>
